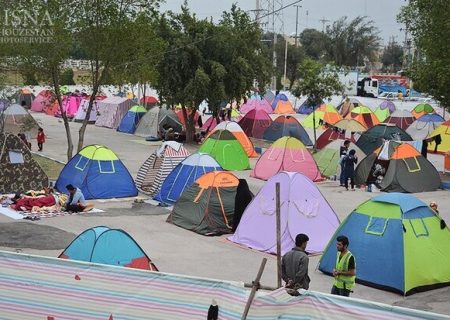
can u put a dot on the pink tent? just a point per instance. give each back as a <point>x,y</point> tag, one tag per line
<point>301,212</point>
<point>111,111</point>
<point>286,154</point>
<point>43,99</point>
<point>209,124</point>
<point>254,104</point>
<point>70,104</point>
<point>255,122</point>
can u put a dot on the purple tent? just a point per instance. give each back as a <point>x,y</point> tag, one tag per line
<point>303,210</point>
<point>388,104</point>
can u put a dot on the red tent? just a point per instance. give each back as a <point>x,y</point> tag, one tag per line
<point>330,135</point>
<point>149,100</point>
<point>255,122</point>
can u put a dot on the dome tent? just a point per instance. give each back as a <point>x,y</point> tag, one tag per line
<point>152,122</point>
<point>401,118</point>
<point>184,175</point>
<point>400,233</point>
<point>240,135</point>
<point>108,246</point>
<point>424,126</point>
<point>301,212</point>
<point>384,110</point>
<point>131,119</point>
<point>159,165</point>
<point>207,207</point>
<point>255,122</point>
<point>98,173</point>
<point>374,137</point>
<point>287,126</point>
<point>444,131</point>
<point>406,169</point>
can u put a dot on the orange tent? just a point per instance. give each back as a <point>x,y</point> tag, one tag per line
<point>239,134</point>
<point>284,107</point>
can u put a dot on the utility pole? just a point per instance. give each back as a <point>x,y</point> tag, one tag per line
<point>323,20</point>
<point>296,25</point>
<point>307,14</point>
<point>274,61</point>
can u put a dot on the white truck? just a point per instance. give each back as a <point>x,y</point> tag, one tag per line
<point>368,87</point>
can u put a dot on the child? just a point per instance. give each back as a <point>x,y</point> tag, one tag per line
<point>40,138</point>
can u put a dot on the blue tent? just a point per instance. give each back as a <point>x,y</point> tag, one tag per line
<point>99,173</point>
<point>108,246</point>
<point>308,106</point>
<point>398,242</point>
<point>184,175</point>
<point>278,97</point>
<point>287,126</point>
<point>131,119</point>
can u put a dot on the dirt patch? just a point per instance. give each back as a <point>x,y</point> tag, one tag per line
<point>33,236</point>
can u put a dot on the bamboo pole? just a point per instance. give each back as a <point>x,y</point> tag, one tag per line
<point>255,287</point>
<point>278,217</point>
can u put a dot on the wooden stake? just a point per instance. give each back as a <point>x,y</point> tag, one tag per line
<point>278,217</point>
<point>255,288</point>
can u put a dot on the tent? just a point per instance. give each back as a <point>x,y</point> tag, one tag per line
<point>354,101</point>
<point>327,158</point>
<point>17,119</point>
<point>269,96</point>
<point>19,171</point>
<point>374,137</point>
<point>223,146</point>
<point>151,123</point>
<point>350,125</point>
<point>131,119</point>
<point>326,113</point>
<point>255,104</point>
<point>149,101</point>
<point>99,173</point>
<point>210,124</point>
<point>255,122</point>
<point>364,115</point>
<point>330,135</point>
<point>111,111</point>
<point>159,165</point>
<point>43,100</point>
<point>108,246</point>
<point>301,212</point>
<point>82,109</point>
<point>286,126</point>
<point>406,169</point>
<point>184,175</point>
<point>70,104</point>
<point>398,243</point>
<point>384,110</point>
<point>189,111</point>
<point>276,98</point>
<point>207,207</point>
<point>286,154</point>
<point>26,95</point>
<point>401,118</point>
<point>421,109</point>
<point>239,134</point>
<point>424,126</point>
<point>308,106</point>
<point>284,107</point>
<point>444,131</point>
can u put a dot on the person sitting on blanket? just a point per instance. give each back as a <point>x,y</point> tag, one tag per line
<point>76,201</point>
<point>27,203</point>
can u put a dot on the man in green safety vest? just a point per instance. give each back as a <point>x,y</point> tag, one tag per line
<point>344,274</point>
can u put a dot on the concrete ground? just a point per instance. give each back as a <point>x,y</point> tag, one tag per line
<point>176,250</point>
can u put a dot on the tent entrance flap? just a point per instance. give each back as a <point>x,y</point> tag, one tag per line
<point>419,228</point>
<point>376,226</point>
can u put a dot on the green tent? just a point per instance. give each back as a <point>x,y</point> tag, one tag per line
<point>223,146</point>
<point>207,207</point>
<point>327,158</point>
<point>399,244</point>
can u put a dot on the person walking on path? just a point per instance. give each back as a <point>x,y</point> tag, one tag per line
<point>294,266</point>
<point>345,271</point>
<point>40,139</point>
<point>349,162</point>
<point>342,153</point>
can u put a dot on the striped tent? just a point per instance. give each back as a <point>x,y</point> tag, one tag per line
<point>36,287</point>
<point>159,165</point>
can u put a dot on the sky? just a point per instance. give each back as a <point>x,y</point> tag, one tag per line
<point>382,12</point>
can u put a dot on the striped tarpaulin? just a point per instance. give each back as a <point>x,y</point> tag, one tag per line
<point>34,287</point>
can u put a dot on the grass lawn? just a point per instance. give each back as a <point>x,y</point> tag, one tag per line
<point>50,167</point>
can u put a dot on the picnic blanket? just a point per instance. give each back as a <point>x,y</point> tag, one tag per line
<point>19,215</point>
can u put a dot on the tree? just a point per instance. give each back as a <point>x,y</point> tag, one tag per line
<point>427,20</point>
<point>317,82</point>
<point>352,43</point>
<point>314,43</point>
<point>295,55</point>
<point>67,77</point>
<point>392,57</point>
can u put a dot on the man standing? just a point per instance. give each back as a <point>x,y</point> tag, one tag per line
<point>76,201</point>
<point>294,266</point>
<point>342,153</point>
<point>344,274</point>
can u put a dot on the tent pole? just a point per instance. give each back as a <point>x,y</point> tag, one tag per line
<point>255,287</point>
<point>278,217</point>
